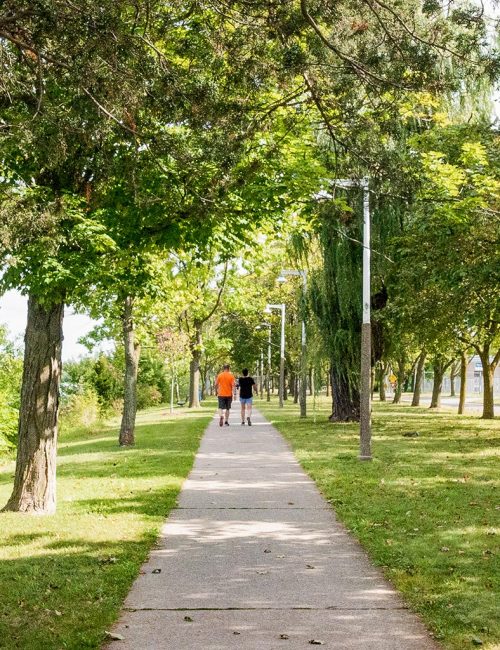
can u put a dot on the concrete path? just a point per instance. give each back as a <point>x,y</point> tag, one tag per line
<point>253,558</point>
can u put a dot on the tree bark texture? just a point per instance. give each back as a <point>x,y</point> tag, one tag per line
<point>132,354</point>
<point>381,371</point>
<point>401,378</point>
<point>463,383</point>
<point>417,389</point>
<point>488,372</point>
<point>345,400</point>
<point>454,371</point>
<point>194,368</point>
<point>35,478</point>
<point>437,384</point>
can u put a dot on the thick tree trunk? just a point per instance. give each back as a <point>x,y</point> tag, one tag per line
<point>437,384</point>
<point>194,368</point>
<point>345,400</point>
<point>417,388</point>
<point>488,371</point>
<point>463,383</point>
<point>35,478</point>
<point>132,354</point>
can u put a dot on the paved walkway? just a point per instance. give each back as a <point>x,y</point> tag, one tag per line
<point>253,558</point>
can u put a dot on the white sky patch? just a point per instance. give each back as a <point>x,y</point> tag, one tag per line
<point>13,314</point>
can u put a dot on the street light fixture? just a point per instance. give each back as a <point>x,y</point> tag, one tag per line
<point>267,310</point>
<point>303,354</point>
<point>365,393</point>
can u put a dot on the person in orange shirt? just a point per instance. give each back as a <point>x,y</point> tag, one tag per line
<point>225,387</point>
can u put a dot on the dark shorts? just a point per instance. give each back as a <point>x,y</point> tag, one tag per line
<point>225,402</point>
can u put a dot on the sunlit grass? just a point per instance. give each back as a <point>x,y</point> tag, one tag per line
<point>426,508</point>
<point>63,577</point>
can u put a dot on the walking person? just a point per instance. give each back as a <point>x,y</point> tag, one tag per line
<point>225,387</point>
<point>247,389</point>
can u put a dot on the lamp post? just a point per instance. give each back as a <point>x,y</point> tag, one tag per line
<point>303,352</point>
<point>365,393</point>
<point>282,348</point>
<point>268,373</point>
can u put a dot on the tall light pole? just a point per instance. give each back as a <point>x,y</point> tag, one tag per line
<point>282,349</point>
<point>303,353</point>
<point>268,374</point>
<point>365,393</point>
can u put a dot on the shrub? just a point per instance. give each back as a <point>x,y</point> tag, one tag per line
<point>148,396</point>
<point>82,410</point>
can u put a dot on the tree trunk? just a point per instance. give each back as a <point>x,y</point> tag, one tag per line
<point>488,371</point>
<point>417,389</point>
<point>291,388</point>
<point>380,371</point>
<point>328,374</point>
<point>401,378</point>
<point>437,384</point>
<point>463,383</point>
<point>194,368</point>
<point>296,389</point>
<point>132,354</point>
<point>454,370</point>
<point>311,371</point>
<point>345,400</point>
<point>35,478</point>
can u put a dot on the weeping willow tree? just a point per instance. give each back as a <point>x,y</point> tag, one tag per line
<point>336,302</point>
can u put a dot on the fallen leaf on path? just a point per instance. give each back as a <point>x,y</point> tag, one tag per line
<point>188,619</point>
<point>267,550</point>
<point>280,556</point>
<point>262,573</point>
<point>284,636</point>
<point>310,566</point>
<point>316,642</point>
<point>235,632</point>
<point>114,636</point>
<point>156,571</point>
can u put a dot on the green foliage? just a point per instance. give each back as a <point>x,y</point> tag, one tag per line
<point>10,384</point>
<point>81,410</point>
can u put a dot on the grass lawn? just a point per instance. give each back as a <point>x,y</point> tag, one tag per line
<point>63,577</point>
<point>425,508</point>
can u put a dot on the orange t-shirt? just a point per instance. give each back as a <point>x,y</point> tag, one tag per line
<point>225,384</point>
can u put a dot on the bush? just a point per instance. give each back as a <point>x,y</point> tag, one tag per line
<point>148,396</point>
<point>82,410</point>
<point>8,424</point>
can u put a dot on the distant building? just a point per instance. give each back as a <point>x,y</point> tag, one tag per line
<point>474,379</point>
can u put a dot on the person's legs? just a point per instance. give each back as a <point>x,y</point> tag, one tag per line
<point>249,412</point>
<point>223,408</point>
<point>242,404</point>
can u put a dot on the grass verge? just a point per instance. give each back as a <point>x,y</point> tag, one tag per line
<point>63,577</point>
<point>425,508</point>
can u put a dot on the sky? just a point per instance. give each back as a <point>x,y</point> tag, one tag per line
<point>13,311</point>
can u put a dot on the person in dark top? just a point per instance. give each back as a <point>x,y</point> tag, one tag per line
<point>247,388</point>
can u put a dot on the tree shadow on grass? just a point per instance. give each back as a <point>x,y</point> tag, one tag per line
<point>67,596</point>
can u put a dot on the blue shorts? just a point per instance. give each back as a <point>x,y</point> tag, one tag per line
<point>245,400</point>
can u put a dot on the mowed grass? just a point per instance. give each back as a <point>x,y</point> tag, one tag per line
<point>426,508</point>
<point>63,577</point>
